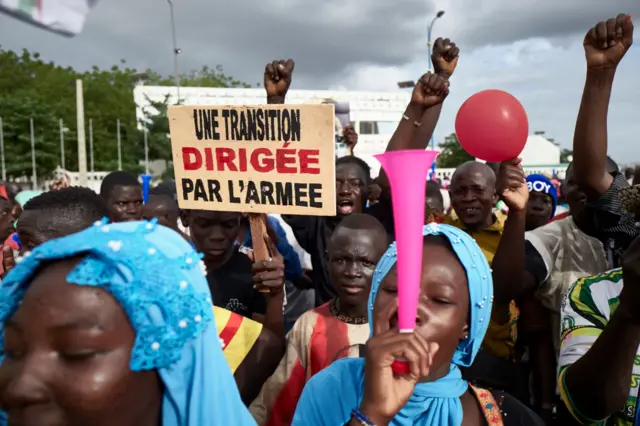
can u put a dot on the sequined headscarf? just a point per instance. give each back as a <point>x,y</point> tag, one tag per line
<point>158,280</point>
<point>341,385</point>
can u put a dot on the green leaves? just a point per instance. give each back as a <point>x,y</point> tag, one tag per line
<point>46,92</point>
<point>452,154</point>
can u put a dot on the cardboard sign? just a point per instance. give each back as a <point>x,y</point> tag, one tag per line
<point>256,159</point>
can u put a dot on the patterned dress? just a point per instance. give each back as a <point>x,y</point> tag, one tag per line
<point>318,338</point>
<point>586,312</point>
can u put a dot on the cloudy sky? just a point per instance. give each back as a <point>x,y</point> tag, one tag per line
<point>532,49</point>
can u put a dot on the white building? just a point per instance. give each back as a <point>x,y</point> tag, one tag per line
<point>375,116</point>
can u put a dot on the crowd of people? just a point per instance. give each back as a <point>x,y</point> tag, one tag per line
<point>116,310</point>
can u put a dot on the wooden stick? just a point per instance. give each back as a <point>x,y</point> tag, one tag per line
<point>258,225</point>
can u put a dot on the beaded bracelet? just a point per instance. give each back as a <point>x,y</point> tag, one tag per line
<point>415,123</point>
<point>364,420</point>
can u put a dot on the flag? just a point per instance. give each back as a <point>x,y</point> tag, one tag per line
<point>64,17</point>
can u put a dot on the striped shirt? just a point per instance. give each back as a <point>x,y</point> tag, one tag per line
<point>586,311</point>
<point>317,339</point>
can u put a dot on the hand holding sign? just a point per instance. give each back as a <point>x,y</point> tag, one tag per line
<point>269,274</point>
<point>430,91</point>
<point>606,44</point>
<point>512,185</point>
<point>277,79</point>
<point>444,57</point>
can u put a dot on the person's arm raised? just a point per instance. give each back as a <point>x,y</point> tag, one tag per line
<point>605,45</point>
<point>508,262</point>
<point>421,115</point>
<point>277,80</point>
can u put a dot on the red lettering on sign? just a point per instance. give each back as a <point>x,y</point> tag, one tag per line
<point>266,164</point>
<point>225,158</point>
<point>261,160</point>
<point>284,157</point>
<point>309,157</point>
<point>191,158</point>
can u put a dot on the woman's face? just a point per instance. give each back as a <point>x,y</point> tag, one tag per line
<point>67,353</point>
<point>443,304</point>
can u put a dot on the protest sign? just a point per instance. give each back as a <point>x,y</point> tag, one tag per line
<point>256,159</point>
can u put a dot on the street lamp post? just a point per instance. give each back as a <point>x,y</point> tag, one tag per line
<point>176,51</point>
<point>429,28</point>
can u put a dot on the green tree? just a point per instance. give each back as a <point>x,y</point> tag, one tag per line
<point>17,137</point>
<point>46,92</point>
<point>452,154</point>
<point>204,77</point>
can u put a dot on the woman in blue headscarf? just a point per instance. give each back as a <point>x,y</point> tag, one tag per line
<point>454,308</point>
<point>113,326</point>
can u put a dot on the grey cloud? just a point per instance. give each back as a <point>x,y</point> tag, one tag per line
<point>326,38</point>
<point>500,21</point>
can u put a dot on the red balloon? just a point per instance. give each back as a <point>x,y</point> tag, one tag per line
<point>492,125</point>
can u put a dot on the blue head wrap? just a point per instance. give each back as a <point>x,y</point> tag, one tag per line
<point>539,183</point>
<point>158,280</point>
<point>330,395</point>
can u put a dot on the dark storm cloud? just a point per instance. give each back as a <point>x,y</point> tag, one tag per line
<point>499,22</point>
<point>324,37</point>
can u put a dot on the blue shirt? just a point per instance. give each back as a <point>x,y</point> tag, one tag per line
<point>292,267</point>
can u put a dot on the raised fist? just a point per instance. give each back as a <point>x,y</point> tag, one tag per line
<point>606,44</point>
<point>430,91</point>
<point>511,184</point>
<point>350,137</point>
<point>277,77</point>
<point>444,57</point>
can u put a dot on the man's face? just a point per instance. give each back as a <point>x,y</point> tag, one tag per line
<point>214,233</point>
<point>473,196</point>
<point>125,203</point>
<point>539,210</point>
<point>351,189</point>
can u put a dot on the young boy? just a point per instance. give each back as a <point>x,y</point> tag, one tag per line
<point>123,194</point>
<point>333,330</point>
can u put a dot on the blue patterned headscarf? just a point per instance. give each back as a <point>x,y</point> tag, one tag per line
<point>159,281</point>
<point>330,395</point>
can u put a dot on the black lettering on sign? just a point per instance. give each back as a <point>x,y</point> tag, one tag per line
<point>199,193</point>
<point>233,198</point>
<point>235,134</point>
<point>315,195</point>
<point>259,124</point>
<point>202,191</point>
<point>252,128</point>
<point>284,193</point>
<point>225,115</point>
<point>214,190</point>
<point>295,125</point>
<point>269,193</point>
<point>206,124</point>
<point>252,195</point>
<point>187,188</point>
<point>300,194</point>
<point>266,189</point>
<point>243,126</point>
<point>273,124</point>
